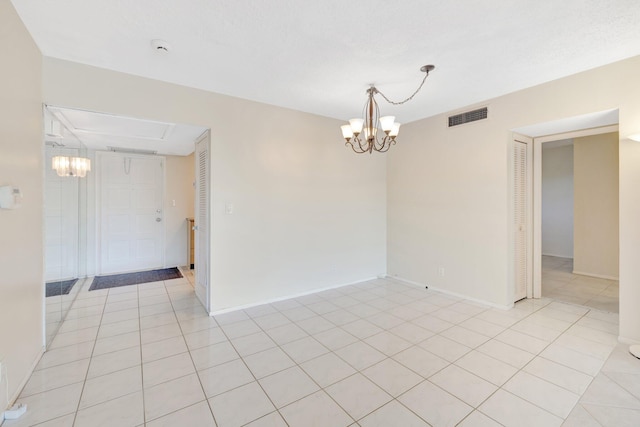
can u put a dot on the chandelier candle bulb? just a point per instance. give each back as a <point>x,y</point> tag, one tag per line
<point>71,166</point>
<point>370,133</point>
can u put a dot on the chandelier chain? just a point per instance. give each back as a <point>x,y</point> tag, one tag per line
<point>426,74</point>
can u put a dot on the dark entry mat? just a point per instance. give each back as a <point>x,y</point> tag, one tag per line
<point>126,279</point>
<point>53,289</point>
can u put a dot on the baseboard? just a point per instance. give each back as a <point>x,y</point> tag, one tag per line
<point>629,341</point>
<point>597,276</point>
<point>12,399</point>
<point>558,256</point>
<point>454,294</point>
<point>286,297</point>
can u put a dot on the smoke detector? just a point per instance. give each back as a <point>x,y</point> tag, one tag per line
<point>160,46</point>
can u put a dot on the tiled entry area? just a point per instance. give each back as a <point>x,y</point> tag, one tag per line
<point>559,283</point>
<point>379,353</point>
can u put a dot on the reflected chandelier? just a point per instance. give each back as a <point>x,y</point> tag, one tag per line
<point>71,166</point>
<point>369,125</point>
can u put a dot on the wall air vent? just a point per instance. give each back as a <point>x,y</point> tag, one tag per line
<point>469,116</point>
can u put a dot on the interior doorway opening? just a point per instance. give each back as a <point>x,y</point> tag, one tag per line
<point>554,272</point>
<point>579,220</point>
<point>140,191</point>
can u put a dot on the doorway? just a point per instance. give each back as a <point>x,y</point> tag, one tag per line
<point>575,127</point>
<point>132,205</point>
<point>579,221</point>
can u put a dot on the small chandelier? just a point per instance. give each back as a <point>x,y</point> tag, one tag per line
<point>71,166</point>
<point>369,125</point>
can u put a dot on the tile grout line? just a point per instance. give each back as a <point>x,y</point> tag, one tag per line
<point>339,326</point>
<point>75,415</point>
<point>542,379</point>
<point>204,393</point>
<point>144,407</point>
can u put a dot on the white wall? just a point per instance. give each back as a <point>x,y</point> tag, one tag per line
<point>557,200</point>
<point>21,230</point>
<point>448,189</point>
<point>308,213</point>
<point>180,172</point>
<point>596,205</point>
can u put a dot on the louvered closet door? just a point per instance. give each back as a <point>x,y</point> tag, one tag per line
<point>520,218</point>
<point>202,231</point>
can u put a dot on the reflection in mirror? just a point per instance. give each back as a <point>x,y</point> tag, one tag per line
<point>65,210</point>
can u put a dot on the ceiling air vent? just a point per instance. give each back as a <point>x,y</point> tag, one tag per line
<point>469,116</point>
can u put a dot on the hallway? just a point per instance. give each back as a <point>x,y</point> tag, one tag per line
<point>559,283</point>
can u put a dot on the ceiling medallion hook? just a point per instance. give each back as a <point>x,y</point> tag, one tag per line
<point>368,127</point>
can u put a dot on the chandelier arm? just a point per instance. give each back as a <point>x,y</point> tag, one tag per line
<point>353,148</point>
<point>426,74</point>
<point>384,146</point>
<point>388,144</point>
<point>362,149</point>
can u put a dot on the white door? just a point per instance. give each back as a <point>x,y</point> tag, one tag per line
<point>61,220</point>
<point>202,230</point>
<point>131,227</point>
<point>521,217</point>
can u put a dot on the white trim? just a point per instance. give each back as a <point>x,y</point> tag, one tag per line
<point>577,133</point>
<point>537,197</point>
<point>455,294</point>
<point>558,256</point>
<point>598,276</point>
<point>625,340</point>
<point>26,378</point>
<point>286,297</point>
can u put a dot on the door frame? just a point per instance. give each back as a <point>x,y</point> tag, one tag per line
<point>100,155</point>
<point>536,232</point>
<point>534,164</point>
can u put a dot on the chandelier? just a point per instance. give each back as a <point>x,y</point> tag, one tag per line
<point>71,166</point>
<point>363,135</point>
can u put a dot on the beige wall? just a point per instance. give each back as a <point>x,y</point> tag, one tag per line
<point>308,213</point>
<point>596,205</point>
<point>448,189</point>
<point>21,233</point>
<point>557,201</point>
<point>179,178</point>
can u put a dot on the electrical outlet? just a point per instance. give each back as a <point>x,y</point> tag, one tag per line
<point>441,271</point>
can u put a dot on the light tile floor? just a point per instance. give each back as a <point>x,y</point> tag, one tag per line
<point>559,283</point>
<point>379,353</point>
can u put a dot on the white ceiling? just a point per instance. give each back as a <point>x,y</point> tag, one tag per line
<point>320,56</point>
<point>99,131</point>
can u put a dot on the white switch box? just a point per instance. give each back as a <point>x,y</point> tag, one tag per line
<point>10,197</point>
